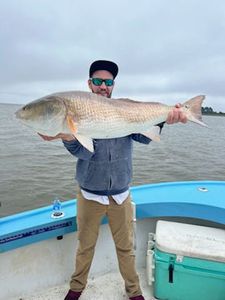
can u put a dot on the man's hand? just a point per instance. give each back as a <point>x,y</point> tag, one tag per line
<point>63,136</point>
<point>176,115</point>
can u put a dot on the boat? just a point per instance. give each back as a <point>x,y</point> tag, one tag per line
<point>37,249</point>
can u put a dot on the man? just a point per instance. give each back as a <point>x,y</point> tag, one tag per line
<point>104,177</point>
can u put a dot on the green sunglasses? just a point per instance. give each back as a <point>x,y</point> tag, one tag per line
<point>99,81</point>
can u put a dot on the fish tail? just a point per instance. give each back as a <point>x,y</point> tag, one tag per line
<point>194,110</point>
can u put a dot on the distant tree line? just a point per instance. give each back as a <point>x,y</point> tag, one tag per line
<point>209,111</point>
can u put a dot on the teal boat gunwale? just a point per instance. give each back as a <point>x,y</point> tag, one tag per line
<point>169,199</point>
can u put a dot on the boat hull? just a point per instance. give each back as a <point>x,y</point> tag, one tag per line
<point>33,258</point>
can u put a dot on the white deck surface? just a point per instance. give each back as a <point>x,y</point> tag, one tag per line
<point>109,286</point>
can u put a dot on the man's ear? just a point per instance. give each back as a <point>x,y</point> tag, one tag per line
<point>89,84</point>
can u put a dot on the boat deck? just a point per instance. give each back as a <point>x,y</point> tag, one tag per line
<point>109,286</point>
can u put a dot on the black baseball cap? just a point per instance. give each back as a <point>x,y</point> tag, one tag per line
<point>104,65</point>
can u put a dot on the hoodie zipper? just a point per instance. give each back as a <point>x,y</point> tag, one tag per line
<point>110,179</point>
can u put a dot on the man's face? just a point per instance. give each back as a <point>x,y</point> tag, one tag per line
<point>102,89</point>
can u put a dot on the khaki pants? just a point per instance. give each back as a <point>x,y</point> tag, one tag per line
<point>89,215</point>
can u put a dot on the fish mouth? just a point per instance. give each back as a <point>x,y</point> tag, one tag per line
<point>21,115</point>
<point>18,114</point>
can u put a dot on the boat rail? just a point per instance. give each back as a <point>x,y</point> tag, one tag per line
<point>195,199</point>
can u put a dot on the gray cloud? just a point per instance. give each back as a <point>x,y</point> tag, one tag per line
<point>170,49</point>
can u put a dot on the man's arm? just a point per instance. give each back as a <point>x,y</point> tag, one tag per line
<point>138,137</point>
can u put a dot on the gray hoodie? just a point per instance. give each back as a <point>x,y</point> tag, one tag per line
<point>108,170</point>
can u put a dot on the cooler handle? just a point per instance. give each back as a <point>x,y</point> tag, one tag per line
<point>171,268</point>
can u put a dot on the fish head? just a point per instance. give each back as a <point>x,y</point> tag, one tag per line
<point>45,115</point>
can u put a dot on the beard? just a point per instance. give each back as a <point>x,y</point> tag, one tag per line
<point>103,93</point>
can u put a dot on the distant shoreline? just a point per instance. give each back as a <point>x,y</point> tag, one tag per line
<point>221,114</point>
<point>209,111</point>
<point>4,103</point>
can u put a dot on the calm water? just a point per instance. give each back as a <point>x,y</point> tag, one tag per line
<point>33,172</point>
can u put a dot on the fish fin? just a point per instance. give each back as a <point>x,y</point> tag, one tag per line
<point>194,108</point>
<point>85,141</point>
<point>71,124</point>
<point>153,134</point>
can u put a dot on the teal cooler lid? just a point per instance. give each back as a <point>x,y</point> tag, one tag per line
<point>191,240</point>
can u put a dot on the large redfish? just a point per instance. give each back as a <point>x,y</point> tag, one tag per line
<point>89,116</point>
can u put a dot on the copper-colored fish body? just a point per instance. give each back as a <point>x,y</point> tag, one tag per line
<point>96,117</point>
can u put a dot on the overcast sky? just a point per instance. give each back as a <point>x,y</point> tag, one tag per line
<point>166,50</point>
